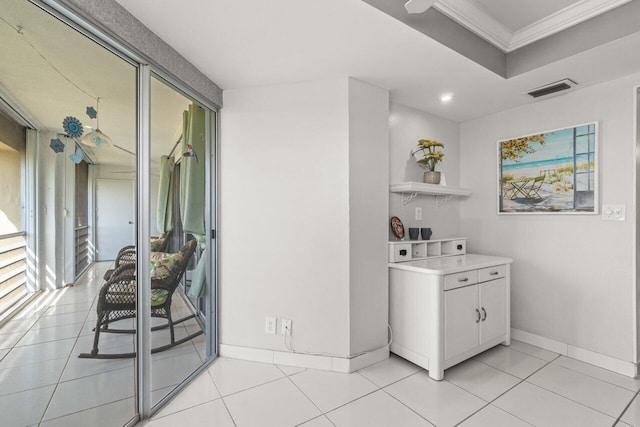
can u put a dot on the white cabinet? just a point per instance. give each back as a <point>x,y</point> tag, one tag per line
<point>445,310</point>
<point>474,315</point>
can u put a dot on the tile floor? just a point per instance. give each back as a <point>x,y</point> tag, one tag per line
<point>43,382</point>
<point>514,386</point>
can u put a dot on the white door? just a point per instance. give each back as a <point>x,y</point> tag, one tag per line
<point>114,217</point>
<point>493,303</point>
<point>461,320</point>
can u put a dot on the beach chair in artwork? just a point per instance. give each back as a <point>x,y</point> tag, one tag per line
<point>532,189</point>
<point>508,190</point>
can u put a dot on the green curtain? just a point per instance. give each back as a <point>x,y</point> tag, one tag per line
<point>165,196</point>
<point>192,177</point>
<point>199,277</point>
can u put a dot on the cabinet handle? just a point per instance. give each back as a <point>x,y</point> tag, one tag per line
<point>494,273</point>
<point>478,313</point>
<point>484,312</point>
<point>464,279</point>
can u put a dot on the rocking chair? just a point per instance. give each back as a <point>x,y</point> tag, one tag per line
<point>117,301</point>
<point>127,255</point>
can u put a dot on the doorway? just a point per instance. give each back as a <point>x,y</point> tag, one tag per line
<point>115,212</point>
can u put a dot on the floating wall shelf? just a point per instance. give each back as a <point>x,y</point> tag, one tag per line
<point>443,193</point>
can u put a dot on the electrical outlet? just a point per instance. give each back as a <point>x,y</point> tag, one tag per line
<point>270,325</point>
<point>285,328</point>
<point>418,214</point>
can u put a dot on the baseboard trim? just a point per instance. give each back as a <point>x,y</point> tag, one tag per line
<point>325,363</point>
<point>628,369</point>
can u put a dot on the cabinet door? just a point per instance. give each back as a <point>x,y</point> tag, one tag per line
<point>460,320</point>
<point>493,306</point>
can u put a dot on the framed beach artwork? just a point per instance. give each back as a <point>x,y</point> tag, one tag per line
<point>550,172</point>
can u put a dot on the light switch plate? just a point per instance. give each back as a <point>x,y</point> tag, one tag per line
<point>613,212</point>
<point>418,214</point>
<point>270,325</point>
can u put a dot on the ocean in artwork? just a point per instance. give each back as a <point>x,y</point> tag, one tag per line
<point>549,172</point>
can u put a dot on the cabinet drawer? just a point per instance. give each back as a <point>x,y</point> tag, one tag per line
<point>399,252</point>
<point>452,281</point>
<point>486,274</point>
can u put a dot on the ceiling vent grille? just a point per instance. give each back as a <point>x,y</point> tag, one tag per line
<point>552,88</point>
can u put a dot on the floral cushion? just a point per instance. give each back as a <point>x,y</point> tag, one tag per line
<point>162,264</point>
<point>158,297</point>
<point>157,244</point>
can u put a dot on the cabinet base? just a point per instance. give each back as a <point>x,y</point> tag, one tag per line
<point>438,374</point>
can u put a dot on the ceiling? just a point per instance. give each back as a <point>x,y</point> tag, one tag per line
<point>241,44</point>
<point>510,25</point>
<point>50,71</point>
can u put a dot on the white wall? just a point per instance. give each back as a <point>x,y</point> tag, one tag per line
<point>573,275</point>
<point>284,222</point>
<point>406,126</point>
<point>368,201</point>
<point>303,204</point>
<point>46,218</point>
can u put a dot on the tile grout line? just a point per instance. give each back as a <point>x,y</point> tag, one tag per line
<point>521,380</point>
<point>220,393</point>
<point>68,358</point>
<point>550,391</point>
<point>322,413</point>
<point>626,408</point>
<point>568,398</point>
<point>558,356</point>
<point>383,389</point>
<point>86,409</point>
<point>406,406</point>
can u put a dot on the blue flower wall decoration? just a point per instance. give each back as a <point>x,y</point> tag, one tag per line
<point>91,112</point>
<point>72,127</point>
<point>57,146</point>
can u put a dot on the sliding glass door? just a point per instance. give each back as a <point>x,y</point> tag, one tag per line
<point>107,168</point>
<point>180,246</point>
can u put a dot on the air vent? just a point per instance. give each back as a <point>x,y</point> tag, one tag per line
<point>552,88</point>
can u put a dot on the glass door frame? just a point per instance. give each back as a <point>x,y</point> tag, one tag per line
<point>145,70</point>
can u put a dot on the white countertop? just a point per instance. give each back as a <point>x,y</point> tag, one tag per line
<point>451,264</point>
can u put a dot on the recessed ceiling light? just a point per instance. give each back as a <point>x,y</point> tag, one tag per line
<point>446,97</point>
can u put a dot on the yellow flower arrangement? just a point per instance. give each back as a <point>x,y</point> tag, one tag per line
<point>430,156</point>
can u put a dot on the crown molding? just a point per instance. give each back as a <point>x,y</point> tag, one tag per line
<point>561,20</point>
<point>476,20</point>
<point>483,24</point>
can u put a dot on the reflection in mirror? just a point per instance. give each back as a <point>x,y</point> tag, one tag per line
<point>179,278</point>
<point>67,203</point>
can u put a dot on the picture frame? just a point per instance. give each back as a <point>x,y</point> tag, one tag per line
<point>550,172</point>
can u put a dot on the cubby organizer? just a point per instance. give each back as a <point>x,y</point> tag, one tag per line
<point>414,250</point>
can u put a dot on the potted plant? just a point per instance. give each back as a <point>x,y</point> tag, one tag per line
<point>430,157</point>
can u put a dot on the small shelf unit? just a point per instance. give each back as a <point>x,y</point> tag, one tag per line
<point>415,250</point>
<point>443,193</point>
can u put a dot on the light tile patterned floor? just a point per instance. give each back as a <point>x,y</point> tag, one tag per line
<point>515,386</point>
<point>42,381</point>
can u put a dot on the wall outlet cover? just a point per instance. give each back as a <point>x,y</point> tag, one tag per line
<point>285,328</point>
